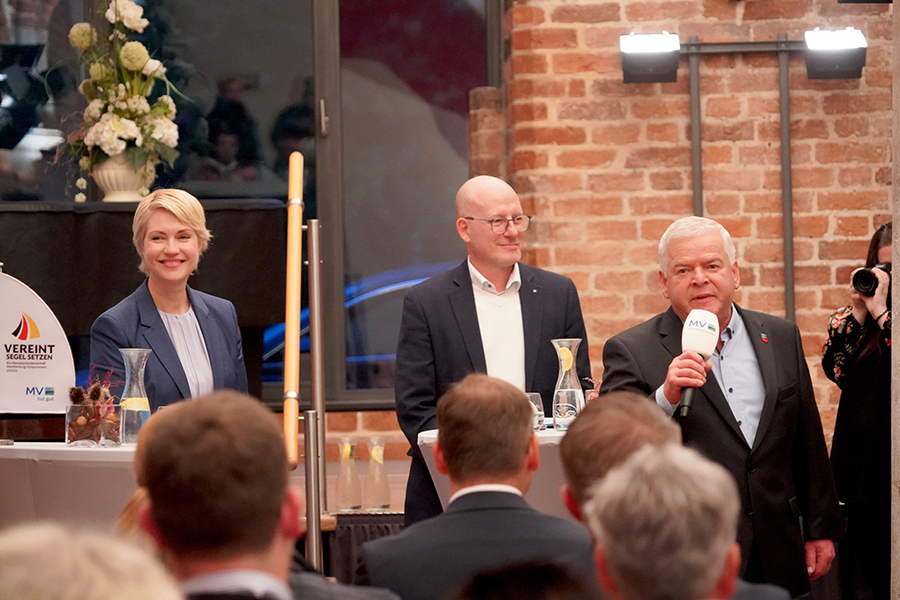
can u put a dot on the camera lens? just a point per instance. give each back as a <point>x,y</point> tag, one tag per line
<point>865,282</point>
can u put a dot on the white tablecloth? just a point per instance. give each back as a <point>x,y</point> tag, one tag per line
<point>90,486</point>
<point>544,492</point>
<point>79,486</point>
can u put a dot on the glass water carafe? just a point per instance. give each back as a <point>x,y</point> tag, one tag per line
<point>376,491</point>
<point>568,396</point>
<point>135,407</point>
<point>348,493</point>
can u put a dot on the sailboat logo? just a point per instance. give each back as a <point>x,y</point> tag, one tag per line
<point>27,329</point>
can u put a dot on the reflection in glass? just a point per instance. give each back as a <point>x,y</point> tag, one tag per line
<point>406,70</point>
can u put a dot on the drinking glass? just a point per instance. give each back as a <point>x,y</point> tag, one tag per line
<point>538,405</point>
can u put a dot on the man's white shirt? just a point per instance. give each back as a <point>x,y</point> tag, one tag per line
<point>500,323</point>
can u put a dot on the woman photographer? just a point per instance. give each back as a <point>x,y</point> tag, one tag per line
<point>858,359</point>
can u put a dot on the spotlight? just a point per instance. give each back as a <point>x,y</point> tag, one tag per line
<point>649,57</point>
<point>837,54</point>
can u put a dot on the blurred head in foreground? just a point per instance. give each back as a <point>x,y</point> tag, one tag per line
<point>664,524</point>
<point>485,434</point>
<point>47,561</point>
<point>215,470</point>
<point>609,430</point>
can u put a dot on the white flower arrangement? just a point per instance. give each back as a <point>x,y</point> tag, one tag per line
<point>119,117</point>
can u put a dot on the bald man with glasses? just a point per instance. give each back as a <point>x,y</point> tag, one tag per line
<point>491,314</point>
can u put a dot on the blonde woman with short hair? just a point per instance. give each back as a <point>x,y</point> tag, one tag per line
<point>195,338</point>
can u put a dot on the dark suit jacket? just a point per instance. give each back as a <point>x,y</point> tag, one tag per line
<point>135,323</point>
<point>786,474</point>
<point>440,343</point>
<point>758,591</point>
<point>480,531</point>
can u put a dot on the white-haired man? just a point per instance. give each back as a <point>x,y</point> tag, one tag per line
<point>755,413</point>
<point>664,525</point>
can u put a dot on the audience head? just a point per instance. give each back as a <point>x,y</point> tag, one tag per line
<point>486,197</point>
<point>529,581</point>
<point>664,524</point>
<point>215,470</point>
<point>47,561</point>
<point>485,431</point>
<point>185,207</point>
<point>604,434</point>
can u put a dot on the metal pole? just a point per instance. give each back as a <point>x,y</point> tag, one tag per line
<point>787,197</point>
<point>696,138</point>
<point>316,344</point>
<point>311,443</point>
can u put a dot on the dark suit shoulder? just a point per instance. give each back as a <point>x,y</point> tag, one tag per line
<point>543,276</point>
<point>442,281</point>
<point>641,331</point>
<point>758,591</point>
<point>768,321</point>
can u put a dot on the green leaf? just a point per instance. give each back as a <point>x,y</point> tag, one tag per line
<point>136,156</point>
<point>168,155</point>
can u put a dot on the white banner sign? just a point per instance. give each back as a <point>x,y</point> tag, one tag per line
<point>36,367</point>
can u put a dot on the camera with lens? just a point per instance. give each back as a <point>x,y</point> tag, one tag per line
<point>865,282</point>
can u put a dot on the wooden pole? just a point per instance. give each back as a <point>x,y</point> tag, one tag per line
<point>292,308</point>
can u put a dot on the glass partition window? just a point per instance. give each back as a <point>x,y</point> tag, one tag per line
<point>406,71</point>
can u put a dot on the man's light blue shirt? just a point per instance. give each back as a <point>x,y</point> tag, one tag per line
<point>737,372</point>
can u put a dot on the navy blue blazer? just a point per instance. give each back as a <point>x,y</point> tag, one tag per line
<point>135,323</point>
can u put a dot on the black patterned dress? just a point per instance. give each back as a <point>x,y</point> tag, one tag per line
<point>861,449</point>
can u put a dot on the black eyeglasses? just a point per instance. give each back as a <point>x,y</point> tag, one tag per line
<point>499,225</point>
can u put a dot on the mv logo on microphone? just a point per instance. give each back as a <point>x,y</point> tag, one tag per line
<point>713,327</point>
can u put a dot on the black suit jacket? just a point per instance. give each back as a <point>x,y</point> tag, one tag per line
<point>440,343</point>
<point>480,531</point>
<point>786,474</point>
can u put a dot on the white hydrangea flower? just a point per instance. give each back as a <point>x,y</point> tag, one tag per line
<point>138,104</point>
<point>169,104</point>
<point>165,131</point>
<point>111,132</point>
<point>81,183</point>
<point>79,197</point>
<point>128,13</point>
<point>94,110</point>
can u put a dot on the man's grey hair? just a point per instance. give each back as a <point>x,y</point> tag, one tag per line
<point>665,520</point>
<point>51,561</point>
<point>690,227</point>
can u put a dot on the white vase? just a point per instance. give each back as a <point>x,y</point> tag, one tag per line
<point>119,181</point>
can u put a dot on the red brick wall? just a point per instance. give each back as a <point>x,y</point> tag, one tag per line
<point>606,166</point>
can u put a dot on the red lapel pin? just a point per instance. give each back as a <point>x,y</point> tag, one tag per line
<point>764,337</point>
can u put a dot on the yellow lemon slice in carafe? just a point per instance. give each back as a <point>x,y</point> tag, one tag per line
<point>378,454</point>
<point>566,358</point>
<point>346,452</point>
<point>135,404</point>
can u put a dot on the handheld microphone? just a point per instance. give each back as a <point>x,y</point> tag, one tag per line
<point>700,334</point>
